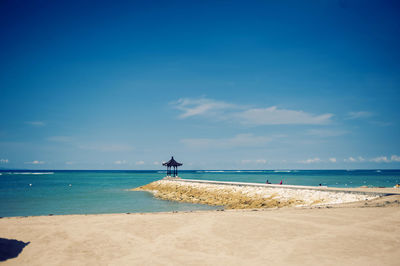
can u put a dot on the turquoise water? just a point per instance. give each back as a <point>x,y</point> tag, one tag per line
<point>26,193</point>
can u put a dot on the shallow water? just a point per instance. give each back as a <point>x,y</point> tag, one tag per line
<point>26,193</point>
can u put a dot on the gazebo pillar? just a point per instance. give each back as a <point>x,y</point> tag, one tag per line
<point>172,167</point>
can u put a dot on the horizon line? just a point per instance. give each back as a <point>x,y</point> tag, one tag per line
<point>282,169</point>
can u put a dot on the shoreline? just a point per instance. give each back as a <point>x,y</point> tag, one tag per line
<point>384,201</point>
<point>383,191</point>
<point>353,233</point>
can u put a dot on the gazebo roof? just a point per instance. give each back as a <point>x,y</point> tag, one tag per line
<point>172,162</point>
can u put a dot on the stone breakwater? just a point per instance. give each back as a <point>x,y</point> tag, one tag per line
<point>245,197</point>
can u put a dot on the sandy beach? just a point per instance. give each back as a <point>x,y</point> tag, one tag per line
<point>199,133</point>
<point>361,233</point>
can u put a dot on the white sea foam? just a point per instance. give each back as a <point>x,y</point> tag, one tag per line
<point>230,171</point>
<point>210,171</point>
<point>214,171</point>
<point>282,171</point>
<point>252,171</point>
<point>32,173</point>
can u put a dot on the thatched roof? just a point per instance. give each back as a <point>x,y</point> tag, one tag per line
<point>172,162</point>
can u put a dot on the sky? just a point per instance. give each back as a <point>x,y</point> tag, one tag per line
<point>216,84</point>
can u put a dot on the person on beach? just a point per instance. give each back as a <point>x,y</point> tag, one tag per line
<point>281,182</point>
<point>267,182</point>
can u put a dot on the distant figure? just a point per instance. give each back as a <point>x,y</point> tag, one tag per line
<point>281,182</point>
<point>320,184</point>
<point>267,182</point>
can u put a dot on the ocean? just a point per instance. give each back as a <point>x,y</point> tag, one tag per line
<point>32,193</point>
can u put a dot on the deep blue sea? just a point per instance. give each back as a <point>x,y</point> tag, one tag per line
<point>27,193</point>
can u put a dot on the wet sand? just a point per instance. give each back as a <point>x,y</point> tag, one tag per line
<point>361,233</point>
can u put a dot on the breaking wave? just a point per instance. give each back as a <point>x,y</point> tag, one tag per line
<point>32,173</point>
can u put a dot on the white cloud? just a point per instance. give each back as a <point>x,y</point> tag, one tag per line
<point>240,140</point>
<point>261,161</point>
<point>36,123</point>
<point>35,162</point>
<point>311,160</point>
<point>274,116</point>
<point>4,161</point>
<point>353,160</point>
<point>245,115</point>
<point>359,114</point>
<point>139,162</point>
<point>380,159</point>
<point>350,159</point>
<point>332,160</point>
<point>156,163</point>
<point>385,159</point>
<point>69,163</point>
<point>106,147</point>
<point>202,106</point>
<point>395,158</point>
<point>120,162</point>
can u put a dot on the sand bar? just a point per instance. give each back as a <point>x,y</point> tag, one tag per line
<point>235,195</point>
<point>355,234</point>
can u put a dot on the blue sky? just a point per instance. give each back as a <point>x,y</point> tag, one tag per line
<point>217,84</point>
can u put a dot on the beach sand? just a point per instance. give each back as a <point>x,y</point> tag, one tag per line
<point>362,233</point>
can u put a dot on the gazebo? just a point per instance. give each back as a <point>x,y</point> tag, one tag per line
<point>172,164</point>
